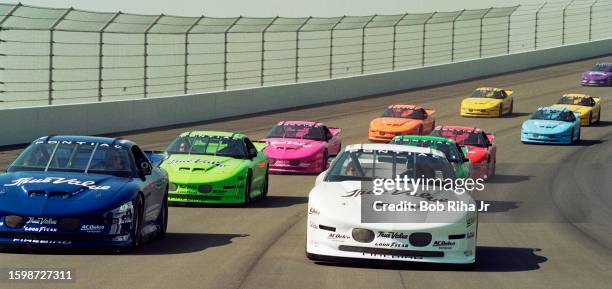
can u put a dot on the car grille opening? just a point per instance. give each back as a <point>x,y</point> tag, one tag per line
<point>14,221</point>
<point>363,235</point>
<point>391,252</point>
<point>455,237</point>
<point>419,239</point>
<point>327,228</point>
<point>205,188</point>
<point>69,224</point>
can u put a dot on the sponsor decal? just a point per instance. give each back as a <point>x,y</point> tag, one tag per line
<point>92,228</point>
<point>42,221</point>
<point>444,244</point>
<point>277,143</point>
<point>391,245</point>
<point>392,256</point>
<point>393,235</point>
<point>338,237</point>
<point>43,242</point>
<point>57,181</point>
<point>43,229</point>
<point>424,195</point>
<point>196,161</point>
<point>313,211</point>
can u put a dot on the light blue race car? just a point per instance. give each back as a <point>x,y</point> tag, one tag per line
<point>552,126</point>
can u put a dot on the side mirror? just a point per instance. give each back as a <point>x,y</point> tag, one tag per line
<point>465,160</point>
<point>252,153</point>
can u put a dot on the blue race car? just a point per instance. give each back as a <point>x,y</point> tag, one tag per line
<point>551,125</point>
<point>77,191</point>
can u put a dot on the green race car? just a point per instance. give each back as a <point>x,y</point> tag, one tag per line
<point>454,153</point>
<point>215,167</point>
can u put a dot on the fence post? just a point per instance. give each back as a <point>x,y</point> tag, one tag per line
<point>591,19</point>
<point>363,29</point>
<point>186,63</point>
<point>101,52</point>
<point>535,36</point>
<point>480,38</point>
<point>425,38</point>
<point>453,35</point>
<point>51,53</point>
<point>225,50</point>
<point>297,47</point>
<point>563,28</point>
<point>263,49</point>
<point>146,54</point>
<point>331,46</point>
<point>393,52</point>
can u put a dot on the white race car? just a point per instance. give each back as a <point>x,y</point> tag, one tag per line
<point>336,227</point>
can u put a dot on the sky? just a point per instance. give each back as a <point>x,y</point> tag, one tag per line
<point>268,8</point>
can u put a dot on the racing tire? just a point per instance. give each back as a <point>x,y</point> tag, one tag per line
<point>598,117</point>
<point>501,110</point>
<point>136,232</point>
<point>590,118</point>
<point>433,126</point>
<point>421,130</point>
<point>572,137</point>
<point>324,162</point>
<point>264,187</point>
<point>492,170</point>
<point>247,188</point>
<point>163,218</point>
<point>579,135</point>
<point>511,107</point>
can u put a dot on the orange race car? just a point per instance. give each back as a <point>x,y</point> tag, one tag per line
<point>401,119</point>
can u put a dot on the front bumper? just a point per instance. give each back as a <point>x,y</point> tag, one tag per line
<point>493,112</point>
<point>452,244</point>
<point>560,138</point>
<point>208,193</point>
<point>296,166</point>
<point>603,82</point>
<point>385,136</point>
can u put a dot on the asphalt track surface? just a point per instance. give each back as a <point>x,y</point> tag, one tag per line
<point>548,226</point>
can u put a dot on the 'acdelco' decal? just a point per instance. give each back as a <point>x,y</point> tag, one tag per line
<point>196,161</point>
<point>56,181</point>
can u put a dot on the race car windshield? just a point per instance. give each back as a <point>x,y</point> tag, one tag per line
<point>462,137</point>
<point>296,131</point>
<point>450,151</point>
<point>566,116</point>
<point>403,112</point>
<point>366,165</point>
<point>208,145</point>
<point>74,157</point>
<point>487,93</point>
<point>602,68</point>
<point>572,100</point>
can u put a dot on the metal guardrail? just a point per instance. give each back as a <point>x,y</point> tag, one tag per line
<point>54,56</point>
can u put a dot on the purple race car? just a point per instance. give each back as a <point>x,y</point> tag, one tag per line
<point>600,74</point>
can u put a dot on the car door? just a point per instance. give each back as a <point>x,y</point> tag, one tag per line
<point>153,184</point>
<point>332,141</point>
<point>258,163</point>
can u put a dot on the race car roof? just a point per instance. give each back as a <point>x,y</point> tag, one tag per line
<point>395,148</point>
<point>489,88</point>
<point>577,95</point>
<point>424,138</point>
<point>554,109</point>
<point>234,135</point>
<point>86,139</point>
<point>299,122</point>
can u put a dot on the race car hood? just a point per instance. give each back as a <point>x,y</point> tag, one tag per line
<point>391,124</point>
<point>596,75</point>
<point>341,202</point>
<point>476,154</point>
<point>582,110</point>
<point>181,164</point>
<point>291,148</point>
<point>546,126</point>
<point>480,102</point>
<point>60,193</point>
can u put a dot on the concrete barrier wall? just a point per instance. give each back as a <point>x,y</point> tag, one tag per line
<point>22,125</point>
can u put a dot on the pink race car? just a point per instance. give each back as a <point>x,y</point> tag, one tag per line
<point>301,146</point>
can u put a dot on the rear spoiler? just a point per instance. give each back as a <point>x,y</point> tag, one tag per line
<point>490,136</point>
<point>260,145</point>
<point>334,130</point>
<point>596,99</point>
<point>509,92</point>
<point>430,111</point>
<point>156,157</point>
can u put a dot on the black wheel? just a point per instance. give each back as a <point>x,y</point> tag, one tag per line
<point>579,133</point>
<point>136,233</point>
<point>572,137</point>
<point>324,162</point>
<point>163,217</point>
<point>421,130</point>
<point>264,188</point>
<point>501,110</point>
<point>590,118</point>
<point>433,126</point>
<point>511,107</point>
<point>492,169</point>
<point>598,117</point>
<point>247,188</point>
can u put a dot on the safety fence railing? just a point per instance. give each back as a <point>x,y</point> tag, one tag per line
<point>56,56</point>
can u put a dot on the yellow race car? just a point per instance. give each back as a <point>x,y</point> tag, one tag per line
<point>587,106</point>
<point>488,102</point>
